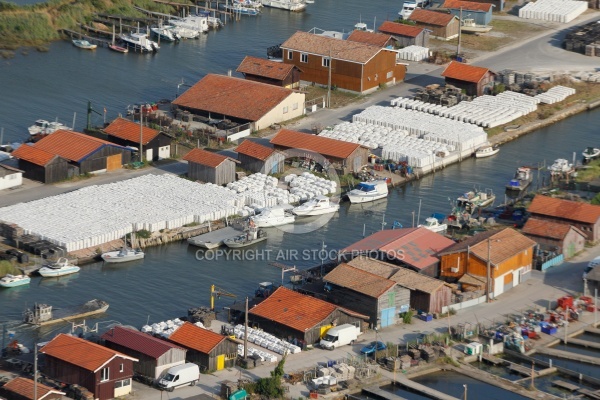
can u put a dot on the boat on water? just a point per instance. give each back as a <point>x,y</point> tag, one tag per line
<point>273,216</point>
<point>560,166</point>
<point>469,26</point>
<point>43,314</point>
<point>487,150</point>
<point>139,42</point>
<point>590,154</point>
<point>58,268</point>
<point>123,255</point>
<point>317,206</point>
<point>164,33</point>
<point>291,5</point>
<point>114,47</point>
<point>522,179</point>
<point>9,280</point>
<point>368,191</point>
<point>239,9</point>
<point>475,199</point>
<point>84,44</point>
<point>434,225</point>
<point>43,127</point>
<point>252,236</point>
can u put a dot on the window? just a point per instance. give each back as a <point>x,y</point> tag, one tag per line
<point>285,110</point>
<point>326,62</point>
<point>121,368</point>
<point>123,383</point>
<point>104,374</point>
<point>390,74</point>
<point>290,55</point>
<point>304,57</point>
<point>295,106</point>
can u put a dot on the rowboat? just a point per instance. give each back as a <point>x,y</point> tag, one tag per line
<point>84,44</point>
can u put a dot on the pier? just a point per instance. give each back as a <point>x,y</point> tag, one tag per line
<point>594,331</point>
<point>431,393</point>
<point>565,385</point>
<point>380,393</point>
<point>569,356</point>
<point>583,343</point>
<point>492,360</point>
<point>217,236</point>
<point>526,371</point>
<point>590,394</point>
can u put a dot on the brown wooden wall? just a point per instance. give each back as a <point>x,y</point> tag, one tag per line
<point>592,231</point>
<point>448,261</point>
<point>208,361</point>
<point>376,71</point>
<point>55,171</point>
<point>147,365</point>
<point>431,302</point>
<point>223,174</point>
<point>97,160</point>
<point>266,167</point>
<point>443,32</point>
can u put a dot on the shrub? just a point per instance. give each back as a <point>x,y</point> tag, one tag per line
<point>143,234</point>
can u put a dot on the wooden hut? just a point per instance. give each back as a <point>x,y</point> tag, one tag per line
<point>406,35</point>
<point>10,177</point>
<point>156,145</point>
<point>22,389</point>
<point>42,166</point>
<point>476,81</point>
<point>553,236</point>
<point>270,72</point>
<point>443,26</point>
<point>481,13</point>
<point>255,157</point>
<point>154,355</point>
<point>206,166</point>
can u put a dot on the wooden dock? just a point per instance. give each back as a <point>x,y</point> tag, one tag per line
<point>382,394</point>
<point>595,331</point>
<point>589,393</point>
<point>583,343</point>
<point>425,390</point>
<point>526,371</point>
<point>92,39</point>
<point>565,385</point>
<point>217,236</point>
<point>492,360</point>
<point>567,355</point>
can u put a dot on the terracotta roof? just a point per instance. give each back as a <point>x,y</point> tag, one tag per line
<point>255,150</point>
<point>431,17</point>
<point>33,155</point>
<point>467,5</point>
<point>193,337</point>
<point>129,130</point>
<point>380,268</point>
<point>304,141</point>
<point>267,68</point>
<point>414,281</point>
<point>372,38</point>
<point>464,72</point>
<point>73,146</point>
<point>80,352</point>
<point>565,209</point>
<point>206,158</point>
<point>416,247</point>
<point>502,245</point>
<point>323,46</point>
<point>295,310</point>
<point>24,387</point>
<point>359,280</point>
<point>548,229</point>
<point>233,97</point>
<point>138,341</point>
<point>468,242</point>
<point>394,28</point>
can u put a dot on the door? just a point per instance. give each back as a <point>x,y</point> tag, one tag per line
<point>113,162</point>
<point>220,362</point>
<point>388,316</point>
<point>149,154</point>
<point>324,330</point>
<point>275,167</point>
<point>498,286</point>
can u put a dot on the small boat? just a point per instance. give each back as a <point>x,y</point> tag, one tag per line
<point>522,179</point>
<point>84,44</point>
<point>317,206</point>
<point>114,47</point>
<point>43,127</point>
<point>239,9</point>
<point>139,42</point>
<point>274,216</point>
<point>9,280</point>
<point>434,225</point>
<point>560,166</point>
<point>475,199</point>
<point>59,268</point>
<point>368,191</point>
<point>43,314</point>
<point>164,33</point>
<point>252,236</point>
<point>487,150</point>
<point>590,153</point>
<point>123,255</point>
<point>469,26</point>
<point>291,5</point>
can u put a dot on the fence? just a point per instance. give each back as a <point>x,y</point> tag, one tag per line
<point>314,104</point>
<point>464,304</point>
<point>236,133</point>
<point>552,262</point>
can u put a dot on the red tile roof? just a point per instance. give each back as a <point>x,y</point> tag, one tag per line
<point>464,72</point>
<point>467,5</point>
<point>394,28</point>
<point>24,387</point>
<point>323,46</point>
<point>359,280</point>
<point>548,229</point>
<point>416,247</point>
<point>234,97</point>
<point>206,158</point>
<point>266,68</point>
<point>33,155</point>
<point>295,310</point>
<point>326,146</point>
<point>502,245</point>
<point>138,341</point>
<point>129,130</point>
<point>431,17</point>
<point>195,338</point>
<point>73,146</point>
<point>255,150</point>
<point>372,38</point>
<point>565,209</point>
<point>80,352</point>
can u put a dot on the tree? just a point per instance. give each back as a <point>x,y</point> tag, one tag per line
<point>271,387</point>
<point>596,199</point>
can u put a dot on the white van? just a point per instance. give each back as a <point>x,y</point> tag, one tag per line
<point>185,374</point>
<point>339,336</point>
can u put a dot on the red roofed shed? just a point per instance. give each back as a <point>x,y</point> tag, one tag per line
<point>555,237</point>
<point>22,389</point>
<point>255,157</point>
<point>442,25</point>
<point>156,145</point>
<point>270,72</point>
<point>406,35</point>
<point>42,166</point>
<point>480,13</point>
<point>372,38</point>
<point>476,81</point>
<point>206,166</point>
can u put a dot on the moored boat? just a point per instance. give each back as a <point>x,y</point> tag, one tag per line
<point>522,179</point>
<point>474,200</point>
<point>368,191</point>
<point>317,206</point>
<point>123,255</point>
<point>118,49</point>
<point>239,9</point>
<point>139,42</point>
<point>43,314</point>
<point>590,153</point>
<point>291,5</point>
<point>434,225</point>
<point>273,216</point>
<point>9,280</point>
<point>164,33</point>
<point>560,166</point>
<point>252,236</point>
<point>487,150</point>
<point>58,268</point>
<point>84,44</point>
<point>43,127</point>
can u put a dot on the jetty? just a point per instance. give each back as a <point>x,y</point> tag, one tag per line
<point>589,393</point>
<point>567,355</point>
<point>565,385</point>
<point>382,394</point>
<point>583,343</point>
<point>216,237</point>
<point>526,371</point>
<point>594,331</point>
<point>425,390</point>
<point>492,360</point>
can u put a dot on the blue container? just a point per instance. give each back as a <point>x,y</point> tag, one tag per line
<point>426,317</point>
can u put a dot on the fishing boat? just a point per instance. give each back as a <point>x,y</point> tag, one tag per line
<point>560,166</point>
<point>475,199</point>
<point>43,127</point>
<point>273,216</point>
<point>252,236</point>
<point>139,42</point>
<point>164,33</point>
<point>590,153</point>
<point>469,26</point>
<point>434,225</point>
<point>317,206</point>
<point>368,191</point>
<point>487,150</point>
<point>9,280</point>
<point>84,44</point>
<point>239,9</point>
<point>291,5</point>
<point>123,255</point>
<point>58,268</point>
<point>522,179</point>
<point>114,47</point>
<point>43,314</point>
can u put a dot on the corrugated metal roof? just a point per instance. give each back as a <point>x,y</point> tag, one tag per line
<point>10,170</point>
<point>233,97</point>
<point>548,229</point>
<point>195,338</point>
<point>24,387</point>
<point>372,38</point>
<point>33,155</point>
<point>73,146</point>
<point>129,130</point>
<point>467,5</point>
<point>304,141</point>
<point>359,280</point>
<point>501,246</point>
<point>564,209</point>
<point>206,158</point>
<point>431,17</point>
<point>464,72</point>
<point>324,46</point>
<point>80,352</point>
<point>266,68</point>
<point>138,341</point>
<point>395,28</point>
<point>255,150</point>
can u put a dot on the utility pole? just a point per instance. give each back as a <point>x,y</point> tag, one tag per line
<point>459,34</point>
<point>489,266</point>
<point>246,333</point>
<point>329,81</point>
<point>35,371</point>
<point>141,131</point>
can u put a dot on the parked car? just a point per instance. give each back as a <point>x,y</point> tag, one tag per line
<point>372,348</point>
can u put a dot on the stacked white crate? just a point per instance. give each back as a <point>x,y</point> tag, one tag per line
<point>553,10</point>
<point>555,94</point>
<point>266,340</point>
<point>414,53</point>
<point>165,328</point>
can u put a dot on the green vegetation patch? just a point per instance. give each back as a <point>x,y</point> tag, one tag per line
<point>25,28</point>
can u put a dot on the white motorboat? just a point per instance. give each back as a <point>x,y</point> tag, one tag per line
<point>475,199</point>
<point>522,179</point>
<point>123,255</point>
<point>193,22</point>
<point>43,127</point>
<point>251,236</point>
<point>139,42</point>
<point>9,280</point>
<point>469,26</point>
<point>589,154</point>
<point>434,225</point>
<point>487,150</point>
<point>59,268</point>
<point>317,206</point>
<point>185,33</point>
<point>291,5</point>
<point>560,166</point>
<point>164,33</point>
<point>368,191</point>
<point>84,44</point>
<point>274,216</point>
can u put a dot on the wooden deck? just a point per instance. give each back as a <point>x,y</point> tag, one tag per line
<point>492,360</point>
<point>526,371</point>
<point>382,394</point>
<point>590,394</point>
<point>567,355</point>
<point>218,235</point>
<point>595,331</point>
<point>565,385</point>
<point>428,392</point>
<point>583,343</point>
